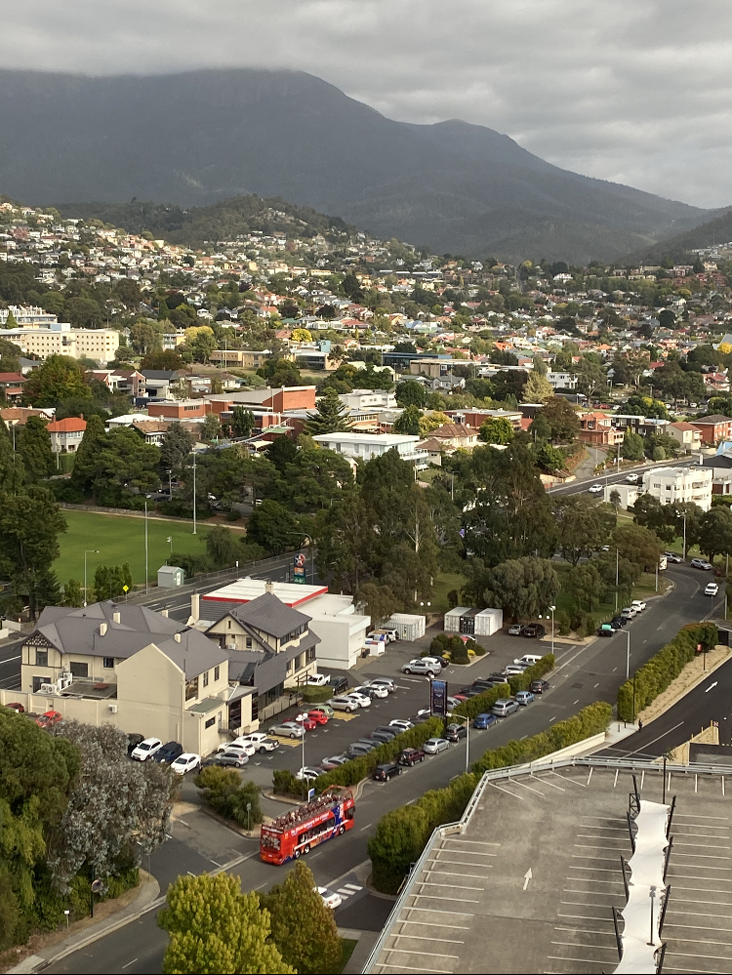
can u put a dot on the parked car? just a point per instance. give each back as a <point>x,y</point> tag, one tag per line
<point>146,749</point>
<point>421,667</point>
<point>19,709</point>
<point>240,745</point>
<point>288,729</point>
<point>317,680</point>
<point>535,630</point>
<point>254,738</point>
<point>49,718</point>
<point>343,703</point>
<point>372,690</point>
<point>308,773</point>
<point>226,759</point>
<point>383,736</point>
<point>619,621</point>
<point>133,739</point>
<point>386,682</point>
<point>605,630</point>
<point>335,761</point>
<point>331,898</point>
<point>403,724</point>
<point>434,745</point>
<point>325,710</point>
<point>712,589</point>
<point>385,729</point>
<point>673,557</point>
<point>615,623</point>
<point>515,629</point>
<point>529,659</point>
<point>484,721</point>
<point>513,670</point>
<point>169,751</point>
<point>524,697</point>
<point>307,722</point>
<point>455,732</point>
<point>362,700</point>
<point>187,762</point>
<point>438,662</point>
<point>410,756</point>
<point>339,684</point>
<point>357,748</point>
<point>382,773</point>
<point>539,686</point>
<point>318,716</point>
<point>639,604</point>
<point>504,707</point>
<point>701,564</point>
<point>629,612</point>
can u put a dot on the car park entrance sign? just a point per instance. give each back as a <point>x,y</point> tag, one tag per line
<point>438,697</point>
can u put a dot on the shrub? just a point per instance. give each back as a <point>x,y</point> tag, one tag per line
<point>315,695</point>
<point>655,676</point>
<point>563,621</point>
<point>460,654</point>
<point>285,783</point>
<point>402,834</point>
<point>223,790</point>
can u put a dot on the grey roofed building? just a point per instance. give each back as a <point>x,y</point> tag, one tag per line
<point>119,630</point>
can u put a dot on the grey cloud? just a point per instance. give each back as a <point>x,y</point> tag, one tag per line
<point>624,90</point>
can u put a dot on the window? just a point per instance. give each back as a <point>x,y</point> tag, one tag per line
<point>311,655</point>
<point>210,723</point>
<point>41,658</point>
<point>228,624</point>
<point>191,689</point>
<point>249,643</point>
<point>217,671</point>
<point>78,669</point>
<point>37,681</point>
<point>108,663</point>
<point>205,678</point>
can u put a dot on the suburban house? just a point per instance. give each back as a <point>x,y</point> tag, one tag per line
<point>339,628</point>
<point>126,665</point>
<point>597,428</point>
<point>688,436</point>
<point>269,644</point>
<point>669,484</point>
<point>476,418</point>
<point>364,446</point>
<point>714,428</point>
<point>455,436</point>
<point>66,435</point>
<point>178,409</point>
<point>11,386</point>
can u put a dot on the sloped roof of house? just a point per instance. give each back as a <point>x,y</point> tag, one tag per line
<point>72,424</point>
<point>270,615</point>
<point>449,431</point>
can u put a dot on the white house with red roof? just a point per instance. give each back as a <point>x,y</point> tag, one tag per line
<point>66,434</point>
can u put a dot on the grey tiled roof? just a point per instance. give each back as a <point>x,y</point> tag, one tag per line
<point>77,631</point>
<point>269,614</point>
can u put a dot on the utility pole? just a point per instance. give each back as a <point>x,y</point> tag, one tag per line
<point>684,553</point>
<point>627,656</point>
<point>147,571</point>
<point>194,493</point>
<point>617,577</point>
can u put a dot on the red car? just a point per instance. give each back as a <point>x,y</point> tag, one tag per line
<point>15,706</point>
<point>49,719</point>
<point>319,717</point>
<point>307,723</point>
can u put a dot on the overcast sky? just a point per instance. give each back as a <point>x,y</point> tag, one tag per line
<point>636,91</point>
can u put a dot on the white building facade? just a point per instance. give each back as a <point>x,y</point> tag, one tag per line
<point>669,484</point>
<point>366,446</point>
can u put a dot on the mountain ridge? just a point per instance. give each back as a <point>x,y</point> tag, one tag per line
<point>198,137</point>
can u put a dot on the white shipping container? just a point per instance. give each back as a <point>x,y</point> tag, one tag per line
<point>488,622</point>
<point>452,619</point>
<point>409,626</point>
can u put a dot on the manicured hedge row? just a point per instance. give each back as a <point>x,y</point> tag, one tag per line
<point>655,676</point>
<point>482,703</point>
<point>402,834</point>
<point>360,768</point>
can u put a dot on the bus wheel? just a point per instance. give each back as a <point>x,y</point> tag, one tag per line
<point>306,850</point>
<point>341,830</point>
<point>297,854</point>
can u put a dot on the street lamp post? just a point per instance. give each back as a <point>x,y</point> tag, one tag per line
<point>551,610</point>
<point>86,552</point>
<point>147,579</point>
<point>627,655</point>
<point>194,493</point>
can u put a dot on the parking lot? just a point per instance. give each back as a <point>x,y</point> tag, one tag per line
<point>412,694</point>
<point>532,881</point>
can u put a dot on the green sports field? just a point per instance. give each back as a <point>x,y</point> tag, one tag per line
<point>121,538</point>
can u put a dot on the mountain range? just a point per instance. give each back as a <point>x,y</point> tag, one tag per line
<point>198,137</point>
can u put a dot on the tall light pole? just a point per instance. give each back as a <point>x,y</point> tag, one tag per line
<point>86,552</point>
<point>147,587</point>
<point>194,493</point>
<point>627,655</point>
<point>617,577</point>
<point>684,553</point>
<point>170,484</point>
<point>551,610</point>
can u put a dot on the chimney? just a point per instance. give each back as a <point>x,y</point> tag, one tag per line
<point>176,637</point>
<point>102,629</point>
<point>164,612</point>
<point>195,606</point>
<point>268,586</point>
<point>116,618</point>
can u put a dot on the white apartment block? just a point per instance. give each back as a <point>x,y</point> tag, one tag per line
<point>361,399</point>
<point>366,446</point>
<point>99,344</point>
<point>669,484</point>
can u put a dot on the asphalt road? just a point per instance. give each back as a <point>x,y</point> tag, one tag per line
<point>579,486</point>
<point>583,675</point>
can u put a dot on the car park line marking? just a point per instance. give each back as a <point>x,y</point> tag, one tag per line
<point>407,951</point>
<point>704,856</point>
<point>573,944</point>
<point>419,937</point>
<point>545,781</point>
<point>461,873</point>
<point>434,924</point>
<point>582,961</point>
<point>463,863</point>
<point>507,791</point>
<point>439,897</point>
<point>129,963</point>
<point>366,827</point>
<point>431,910</point>
<point>576,702</point>
<point>433,883</point>
<point>696,927</point>
<point>462,842</point>
<point>432,971</point>
<point>524,786</point>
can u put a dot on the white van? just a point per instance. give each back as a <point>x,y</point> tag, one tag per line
<point>528,659</point>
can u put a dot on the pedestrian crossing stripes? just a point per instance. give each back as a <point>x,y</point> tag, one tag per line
<point>348,890</point>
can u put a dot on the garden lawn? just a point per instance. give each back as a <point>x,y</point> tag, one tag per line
<point>444,582</point>
<point>121,538</point>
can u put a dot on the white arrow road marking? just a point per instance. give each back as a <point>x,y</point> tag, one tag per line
<point>711,686</point>
<point>527,877</point>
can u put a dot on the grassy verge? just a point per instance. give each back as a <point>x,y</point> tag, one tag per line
<point>444,582</point>
<point>120,539</point>
<point>347,946</point>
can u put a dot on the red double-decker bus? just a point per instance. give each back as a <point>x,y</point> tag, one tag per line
<point>297,832</point>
